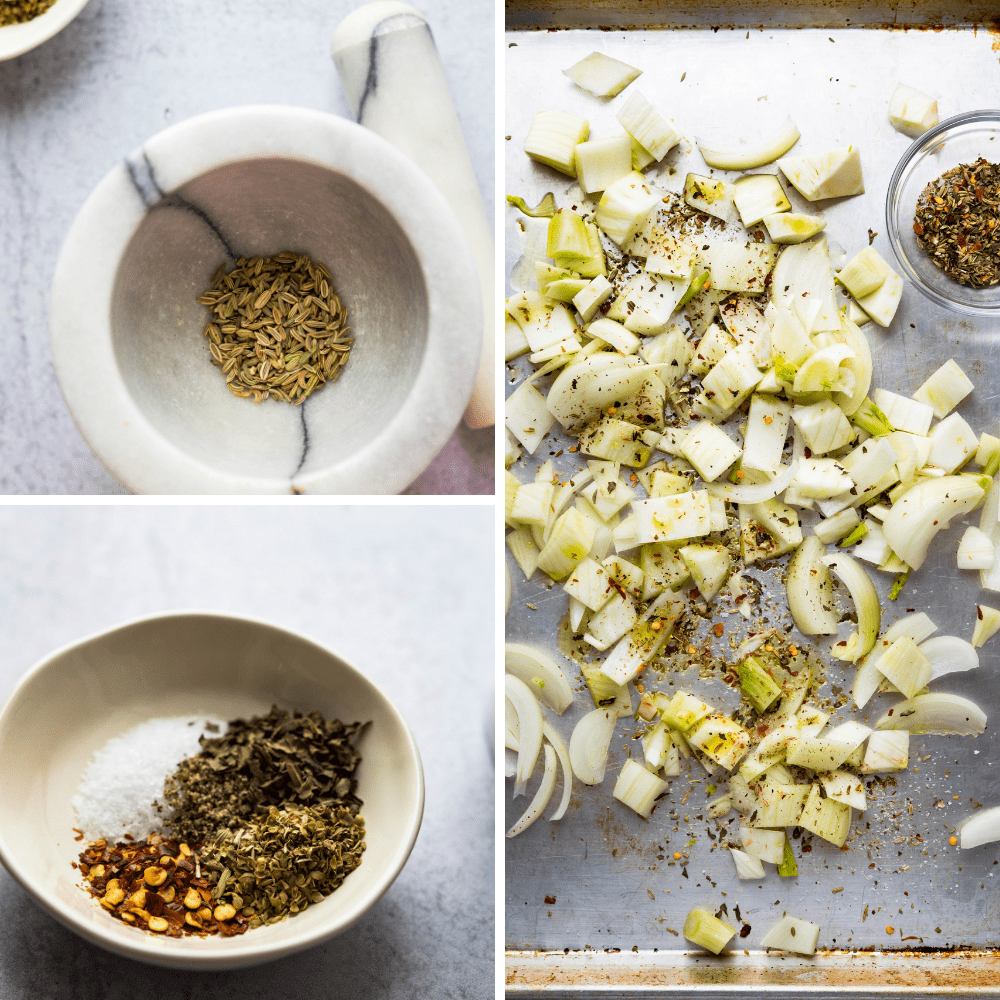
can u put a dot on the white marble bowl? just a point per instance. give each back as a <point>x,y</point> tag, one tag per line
<point>74,700</point>
<point>127,338</point>
<point>16,39</point>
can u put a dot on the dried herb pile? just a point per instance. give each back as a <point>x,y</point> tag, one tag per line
<point>277,759</point>
<point>278,328</point>
<point>956,223</point>
<point>277,865</point>
<point>19,11</point>
<point>266,821</point>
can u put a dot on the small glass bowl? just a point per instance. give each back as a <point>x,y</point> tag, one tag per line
<point>962,139</point>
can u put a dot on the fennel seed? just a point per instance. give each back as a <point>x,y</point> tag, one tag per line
<point>277,327</point>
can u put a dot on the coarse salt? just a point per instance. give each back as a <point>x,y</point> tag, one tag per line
<point>121,791</point>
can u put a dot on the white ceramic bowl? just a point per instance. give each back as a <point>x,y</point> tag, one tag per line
<point>127,338</point>
<point>16,39</point>
<point>74,700</point>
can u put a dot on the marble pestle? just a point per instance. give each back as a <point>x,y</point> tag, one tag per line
<point>392,76</point>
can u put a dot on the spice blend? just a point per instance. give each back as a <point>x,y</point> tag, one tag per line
<point>956,223</point>
<point>265,821</point>
<point>278,328</point>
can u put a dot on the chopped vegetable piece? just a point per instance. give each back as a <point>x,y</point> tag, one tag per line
<point>638,788</point>
<point>987,624</point>
<point>601,75</point>
<point>792,934</point>
<point>553,138</point>
<point>757,684</point>
<point>703,929</point>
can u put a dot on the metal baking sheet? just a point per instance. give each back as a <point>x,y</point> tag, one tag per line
<point>594,901</point>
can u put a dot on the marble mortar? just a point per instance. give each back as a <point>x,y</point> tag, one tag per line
<point>126,331</point>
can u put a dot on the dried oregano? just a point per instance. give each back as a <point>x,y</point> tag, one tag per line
<point>278,759</point>
<point>277,865</point>
<point>19,11</point>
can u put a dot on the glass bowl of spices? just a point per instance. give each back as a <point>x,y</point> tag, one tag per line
<point>266,299</point>
<point>205,791</point>
<point>943,213</point>
<point>25,24</point>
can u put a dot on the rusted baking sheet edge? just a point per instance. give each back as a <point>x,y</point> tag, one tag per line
<point>618,14</point>
<point>844,975</point>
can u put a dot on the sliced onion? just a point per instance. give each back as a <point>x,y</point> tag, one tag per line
<point>589,745</point>
<point>754,494</point>
<point>541,673</point>
<point>923,510</point>
<point>542,795</point>
<point>949,654</point>
<point>755,154</point>
<point>980,828</point>
<point>936,715</point>
<point>866,604</point>
<point>809,591</point>
<point>567,769</point>
<point>529,720</point>
<point>512,734</point>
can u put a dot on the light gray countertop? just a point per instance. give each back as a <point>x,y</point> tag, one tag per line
<point>361,584</point>
<point>119,73</point>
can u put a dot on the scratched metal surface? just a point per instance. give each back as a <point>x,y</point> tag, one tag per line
<point>611,873</point>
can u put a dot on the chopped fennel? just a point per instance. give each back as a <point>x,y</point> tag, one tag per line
<point>709,195</point>
<point>638,788</point>
<point>882,304</point>
<point>975,550</point>
<point>602,162</point>
<point>792,934</point>
<point>701,928</point>
<point>746,866</point>
<point>827,818</point>
<point>602,75</point>
<point>836,174</point>
<point>647,126</point>
<point>793,227</point>
<point>911,112</point>
<point>945,389</point>
<point>553,138</point>
<point>758,195</point>
<point>767,845</point>
<point>987,624</point>
<point>888,750</point>
<point>607,693</point>
<point>864,273</point>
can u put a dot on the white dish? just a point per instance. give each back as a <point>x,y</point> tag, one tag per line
<point>67,707</point>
